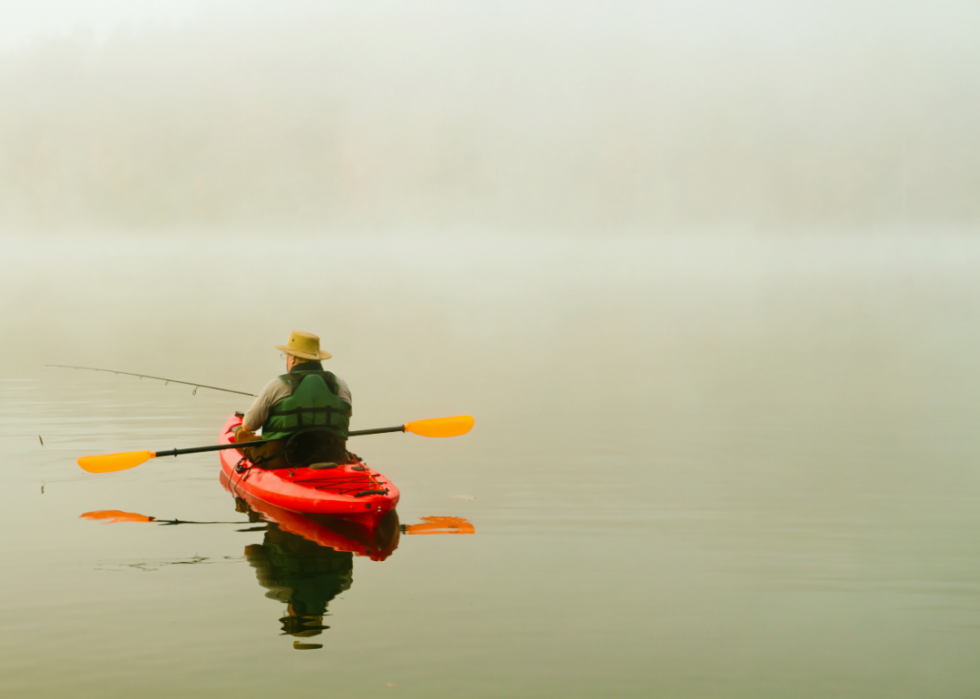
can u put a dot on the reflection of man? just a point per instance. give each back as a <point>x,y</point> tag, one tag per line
<point>302,574</point>
<point>304,399</point>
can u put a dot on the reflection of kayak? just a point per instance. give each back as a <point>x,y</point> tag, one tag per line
<point>305,561</point>
<point>352,490</point>
<point>304,576</point>
<point>376,541</point>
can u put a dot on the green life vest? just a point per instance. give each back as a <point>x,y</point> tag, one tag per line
<point>313,403</point>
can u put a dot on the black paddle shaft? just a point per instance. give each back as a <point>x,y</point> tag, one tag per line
<point>218,447</point>
<point>378,430</point>
<point>259,443</point>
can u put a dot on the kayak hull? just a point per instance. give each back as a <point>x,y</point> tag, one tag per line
<point>376,542</point>
<point>352,491</point>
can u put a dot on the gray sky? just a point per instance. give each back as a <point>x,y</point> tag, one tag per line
<point>26,20</point>
<point>540,114</point>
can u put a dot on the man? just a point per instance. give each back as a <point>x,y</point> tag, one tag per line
<point>305,413</point>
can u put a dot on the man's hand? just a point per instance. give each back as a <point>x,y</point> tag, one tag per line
<point>244,434</point>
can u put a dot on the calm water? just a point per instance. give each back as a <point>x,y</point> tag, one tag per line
<point>703,466</point>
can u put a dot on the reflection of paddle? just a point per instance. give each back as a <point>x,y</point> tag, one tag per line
<point>111,516</point>
<point>117,516</point>
<point>430,525</point>
<point>440,525</point>
<point>436,427</point>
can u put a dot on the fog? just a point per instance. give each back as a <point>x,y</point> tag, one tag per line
<point>704,273</point>
<point>636,116</point>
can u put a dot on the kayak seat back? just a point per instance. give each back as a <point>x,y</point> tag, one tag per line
<point>314,445</point>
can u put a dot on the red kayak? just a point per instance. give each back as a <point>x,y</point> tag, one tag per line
<point>352,491</point>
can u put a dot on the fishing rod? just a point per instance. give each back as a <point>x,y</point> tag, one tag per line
<point>158,378</point>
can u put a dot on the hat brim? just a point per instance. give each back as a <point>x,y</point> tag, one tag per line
<point>304,355</point>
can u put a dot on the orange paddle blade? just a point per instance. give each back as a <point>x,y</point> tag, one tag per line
<point>441,426</point>
<point>117,516</point>
<point>114,462</point>
<point>441,525</point>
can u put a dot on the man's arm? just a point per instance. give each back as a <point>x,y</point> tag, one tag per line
<point>343,392</point>
<point>274,392</point>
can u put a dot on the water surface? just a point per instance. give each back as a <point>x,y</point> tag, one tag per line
<point>703,466</point>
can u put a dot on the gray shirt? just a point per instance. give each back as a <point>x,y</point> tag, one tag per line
<point>276,391</point>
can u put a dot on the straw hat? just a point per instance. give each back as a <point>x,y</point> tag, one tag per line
<point>304,345</point>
